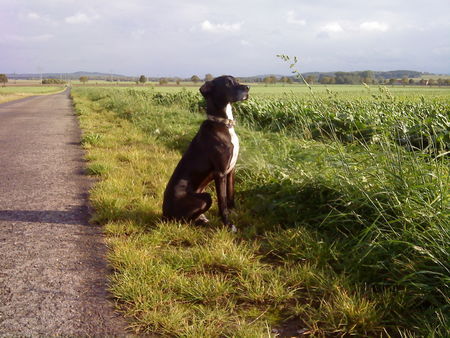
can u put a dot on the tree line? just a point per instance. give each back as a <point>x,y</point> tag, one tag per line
<point>355,78</point>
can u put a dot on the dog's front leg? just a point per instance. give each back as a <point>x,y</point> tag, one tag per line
<point>220,179</point>
<point>230,189</point>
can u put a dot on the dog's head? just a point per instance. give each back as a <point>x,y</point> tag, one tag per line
<point>224,89</point>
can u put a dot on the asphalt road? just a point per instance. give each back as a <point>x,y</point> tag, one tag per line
<point>52,261</point>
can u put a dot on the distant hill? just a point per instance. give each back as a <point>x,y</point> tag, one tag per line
<point>70,76</point>
<point>393,74</point>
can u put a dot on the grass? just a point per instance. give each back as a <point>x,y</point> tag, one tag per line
<point>18,92</point>
<point>279,90</point>
<point>336,237</point>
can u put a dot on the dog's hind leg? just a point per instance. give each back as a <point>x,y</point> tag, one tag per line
<point>205,202</point>
<point>195,204</point>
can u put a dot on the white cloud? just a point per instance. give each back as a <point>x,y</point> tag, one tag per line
<point>29,38</point>
<point>374,26</point>
<point>80,18</point>
<point>332,27</point>
<point>293,20</point>
<point>33,16</point>
<point>138,34</point>
<point>221,27</point>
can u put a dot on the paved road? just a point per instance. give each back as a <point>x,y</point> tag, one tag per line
<point>52,264</point>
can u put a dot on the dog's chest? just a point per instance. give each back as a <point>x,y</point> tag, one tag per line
<point>234,141</point>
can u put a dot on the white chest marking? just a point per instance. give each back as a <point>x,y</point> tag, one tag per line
<point>234,140</point>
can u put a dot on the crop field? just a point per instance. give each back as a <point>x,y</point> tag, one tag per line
<point>343,211</point>
<point>280,90</point>
<point>11,93</point>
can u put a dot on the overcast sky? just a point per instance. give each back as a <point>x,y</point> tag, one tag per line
<point>238,37</point>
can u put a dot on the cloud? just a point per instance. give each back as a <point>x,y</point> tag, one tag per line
<point>293,20</point>
<point>33,16</point>
<point>38,18</point>
<point>332,27</point>
<point>138,34</point>
<point>81,18</point>
<point>221,27</point>
<point>374,26</point>
<point>199,28</point>
<point>323,35</point>
<point>29,38</point>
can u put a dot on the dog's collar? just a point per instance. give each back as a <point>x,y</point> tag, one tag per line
<point>229,123</point>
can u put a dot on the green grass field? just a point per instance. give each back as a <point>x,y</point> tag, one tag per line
<point>11,93</point>
<point>279,90</point>
<point>343,212</point>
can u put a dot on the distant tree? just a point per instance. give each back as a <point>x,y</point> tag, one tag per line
<point>310,79</point>
<point>367,74</point>
<point>284,79</point>
<point>392,81</point>
<point>195,78</point>
<point>405,81</point>
<point>3,79</point>
<point>440,82</point>
<point>53,81</point>
<point>349,77</point>
<point>327,80</point>
<point>208,77</point>
<point>411,82</point>
<point>142,79</point>
<point>431,82</point>
<point>163,81</point>
<point>270,79</point>
<point>84,79</point>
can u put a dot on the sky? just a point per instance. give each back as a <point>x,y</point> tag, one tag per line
<point>237,37</point>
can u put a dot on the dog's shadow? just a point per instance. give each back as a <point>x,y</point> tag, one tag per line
<point>286,204</point>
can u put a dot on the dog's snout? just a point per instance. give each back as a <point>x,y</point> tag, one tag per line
<point>247,88</point>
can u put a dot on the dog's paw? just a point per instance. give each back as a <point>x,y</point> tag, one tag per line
<point>232,228</point>
<point>201,220</point>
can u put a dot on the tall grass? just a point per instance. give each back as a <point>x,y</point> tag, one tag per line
<point>344,226</point>
<point>423,124</point>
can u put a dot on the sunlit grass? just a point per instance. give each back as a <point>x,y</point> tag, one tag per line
<point>11,93</point>
<point>334,238</point>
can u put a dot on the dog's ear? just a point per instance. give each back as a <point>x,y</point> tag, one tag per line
<point>206,88</point>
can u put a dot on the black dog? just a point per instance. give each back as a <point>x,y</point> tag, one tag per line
<point>211,155</point>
